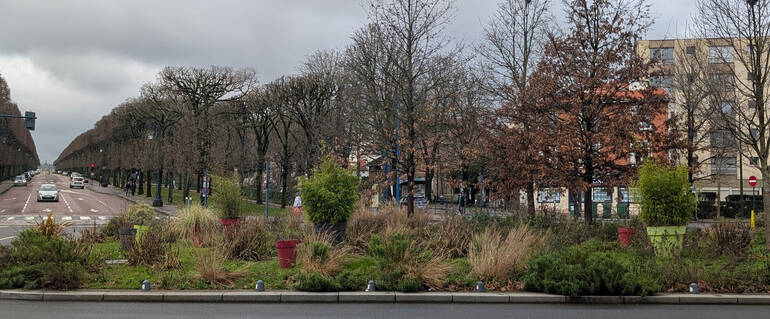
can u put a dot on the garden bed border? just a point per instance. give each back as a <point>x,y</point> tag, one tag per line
<point>374,297</point>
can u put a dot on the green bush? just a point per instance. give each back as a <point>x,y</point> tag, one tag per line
<point>317,283</point>
<point>586,270</point>
<point>140,214</point>
<point>227,197</point>
<point>329,195</point>
<point>665,195</point>
<point>36,261</point>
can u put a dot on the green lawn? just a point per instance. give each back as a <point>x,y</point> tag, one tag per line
<point>125,276</point>
<point>252,209</point>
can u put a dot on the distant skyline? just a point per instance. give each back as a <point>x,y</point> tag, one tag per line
<point>71,62</point>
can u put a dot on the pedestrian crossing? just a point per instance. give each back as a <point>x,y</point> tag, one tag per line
<point>23,219</point>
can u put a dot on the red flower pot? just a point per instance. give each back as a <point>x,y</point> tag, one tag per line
<point>228,223</point>
<point>625,234</point>
<point>287,252</point>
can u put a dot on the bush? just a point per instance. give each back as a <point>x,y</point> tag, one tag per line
<point>50,228</point>
<point>227,197</point>
<point>665,195</point>
<point>404,266</point>
<point>329,194</point>
<point>113,227</point>
<point>585,270</point>
<point>317,283</point>
<point>388,220</point>
<point>500,258</point>
<point>450,237</point>
<point>140,214</point>
<point>36,261</point>
<point>210,265</point>
<point>250,240</point>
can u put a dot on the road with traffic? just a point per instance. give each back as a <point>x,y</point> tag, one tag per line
<point>19,208</point>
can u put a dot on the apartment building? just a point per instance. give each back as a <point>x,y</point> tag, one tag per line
<point>705,78</point>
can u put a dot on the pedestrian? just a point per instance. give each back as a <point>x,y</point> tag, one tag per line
<point>128,188</point>
<point>461,202</point>
<point>297,205</point>
<point>133,188</point>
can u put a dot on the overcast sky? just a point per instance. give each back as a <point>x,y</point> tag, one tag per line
<point>73,61</point>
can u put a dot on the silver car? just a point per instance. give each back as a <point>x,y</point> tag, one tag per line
<point>76,182</point>
<point>48,192</point>
<point>20,181</point>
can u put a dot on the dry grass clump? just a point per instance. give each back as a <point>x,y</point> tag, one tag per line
<point>405,264</point>
<point>317,254</point>
<point>50,228</point>
<point>92,235</point>
<point>154,248</point>
<point>388,220</point>
<point>729,238</point>
<point>250,240</point>
<point>198,224</point>
<point>498,257</point>
<point>210,266</point>
<point>451,237</point>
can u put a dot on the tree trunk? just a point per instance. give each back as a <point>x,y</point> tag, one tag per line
<point>531,199</point>
<point>429,184</point>
<point>284,186</point>
<point>588,205</point>
<point>171,187</point>
<point>719,196</point>
<point>766,204</point>
<point>186,183</point>
<point>140,184</point>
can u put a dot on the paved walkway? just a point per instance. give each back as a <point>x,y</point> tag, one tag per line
<point>168,210</point>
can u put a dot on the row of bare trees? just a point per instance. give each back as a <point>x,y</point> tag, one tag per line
<point>17,149</point>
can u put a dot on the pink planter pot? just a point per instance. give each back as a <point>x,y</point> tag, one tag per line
<point>287,252</point>
<point>625,234</point>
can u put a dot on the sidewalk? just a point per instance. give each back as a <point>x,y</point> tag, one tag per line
<point>378,297</point>
<point>167,210</point>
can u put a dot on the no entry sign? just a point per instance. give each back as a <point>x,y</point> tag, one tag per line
<point>752,181</point>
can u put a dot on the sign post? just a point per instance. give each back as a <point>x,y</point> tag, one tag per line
<point>205,188</point>
<point>752,183</point>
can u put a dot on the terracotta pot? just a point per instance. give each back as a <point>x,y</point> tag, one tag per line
<point>287,252</point>
<point>229,223</point>
<point>625,234</point>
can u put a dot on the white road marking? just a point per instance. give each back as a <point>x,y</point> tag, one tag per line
<point>85,218</point>
<point>66,218</point>
<point>6,238</point>
<point>11,218</point>
<point>47,210</point>
<point>26,203</point>
<point>67,203</point>
<point>29,218</point>
<point>102,217</point>
<point>2,211</point>
<point>80,198</point>
<point>93,210</point>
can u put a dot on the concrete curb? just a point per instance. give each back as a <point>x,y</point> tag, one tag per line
<point>372,297</point>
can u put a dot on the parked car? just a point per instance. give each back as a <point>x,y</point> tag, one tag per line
<point>65,173</point>
<point>48,192</point>
<point>77,182</point>
<point>20,181</point>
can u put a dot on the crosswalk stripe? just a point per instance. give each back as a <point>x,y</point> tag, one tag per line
<point>11,218</point>
<point>102,217</point>
<point>85,218</point>
<point>66,218</point>
<point>30,218</point>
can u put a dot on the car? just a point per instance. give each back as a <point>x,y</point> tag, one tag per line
<point>65,173</point>
<point>48,192</point>
<point>20,181</point>
<point>77,182</point>
<point>58,172</point>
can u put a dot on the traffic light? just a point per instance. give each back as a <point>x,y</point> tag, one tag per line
<point>92,165</point>
<point>29,120</point>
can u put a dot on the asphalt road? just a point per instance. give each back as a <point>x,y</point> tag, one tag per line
<point>19,208</point>
<point>36,309</point>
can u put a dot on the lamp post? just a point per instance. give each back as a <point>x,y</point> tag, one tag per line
<point>102,180</point>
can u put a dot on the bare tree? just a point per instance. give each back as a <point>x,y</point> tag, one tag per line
<point>738,32</point>
<point>513,40</point>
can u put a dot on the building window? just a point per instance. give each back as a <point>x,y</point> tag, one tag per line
<point>664,55</point>
<point>624,195</point>
<point>752,105</point>
<point>691,50</point>
<point>724,82</point>
<point>723,166</point>
<point>662,81</point>
<point>721,139</point>
<point>754,133</point>
<point>548,195</point>
<point>632,158</point>
<point>721,54</point>
<point>754,161</point>
<point>600,194</point>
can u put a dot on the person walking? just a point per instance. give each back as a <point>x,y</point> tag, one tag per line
<point>128,188</point>
<point>133,188</point>
<point>297,205</point>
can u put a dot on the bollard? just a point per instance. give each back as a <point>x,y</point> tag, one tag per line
<point>146,285</point>
<point>370,286</point>
<point>480,287</point>
<point>260,285</point>
<point>693,288</point>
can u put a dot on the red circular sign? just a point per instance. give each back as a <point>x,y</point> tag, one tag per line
<point>752,181</point>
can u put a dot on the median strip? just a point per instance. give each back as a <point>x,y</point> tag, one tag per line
<point>378,297</point>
